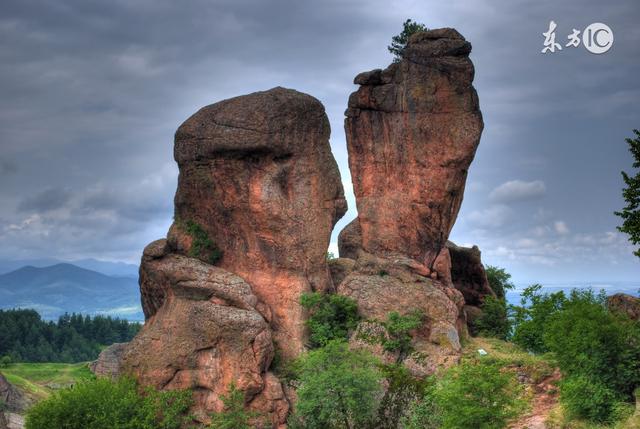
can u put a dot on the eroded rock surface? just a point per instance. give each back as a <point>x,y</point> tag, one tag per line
<point>108,362</point>
<point>257,175</point>
<point>626,304</point>
<point>412,132</point>
<point>207,335</point>
<point>468,275</point>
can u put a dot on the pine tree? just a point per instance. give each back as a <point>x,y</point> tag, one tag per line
<point>399,42</point>
<point>631,213</point>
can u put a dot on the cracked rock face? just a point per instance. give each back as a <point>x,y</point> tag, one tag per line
<point>257,174</point>
<point>207,335</point>
<point>412,131</point>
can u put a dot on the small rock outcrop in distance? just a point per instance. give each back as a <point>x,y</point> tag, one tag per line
<point>108,362</point>
<point>468,275</point>
<point>625,304</point>
<point>412,132</point>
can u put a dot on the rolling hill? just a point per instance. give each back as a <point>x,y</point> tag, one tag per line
<point>64,287</point>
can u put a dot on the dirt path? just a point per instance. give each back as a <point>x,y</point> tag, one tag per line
<point>544,400</point>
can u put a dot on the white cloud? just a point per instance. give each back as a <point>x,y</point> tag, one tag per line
<point>560,227</point>
<point>492,217</point>
<point>518,190</point>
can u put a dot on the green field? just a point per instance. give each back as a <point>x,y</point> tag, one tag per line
<point>40,379</point>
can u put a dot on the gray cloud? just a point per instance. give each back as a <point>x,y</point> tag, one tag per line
<point>93,92</point>
<point>518,190</point>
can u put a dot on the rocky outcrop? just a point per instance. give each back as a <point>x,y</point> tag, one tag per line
<point>108,362</point>
<point>381,286</point>
<point>258,195</point>
<point>412,132</point>
<point>12,398</point>
<point>468,275</point>
<point>207,335</point>
<point>258,177</point>
<point>625,304</point>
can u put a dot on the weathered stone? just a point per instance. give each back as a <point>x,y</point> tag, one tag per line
<point>257,175</point>
<point>14,400</point>
<point>468,275</point>
<point>350,240</point>
<point>108,362</point>
<point>206,335</point>
<point>339,268</point>
<point>412,132</point>
<point>625,304</point>
<point>382,285</point>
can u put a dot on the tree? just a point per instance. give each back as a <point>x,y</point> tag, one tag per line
<point>631,213</point>
<point>499,280</point>
<point>399,42</point>
<point>331,317</point>
<point>338,388</point>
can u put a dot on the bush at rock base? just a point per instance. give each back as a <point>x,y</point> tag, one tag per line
<point>106,404</point>
<point>331,317</point>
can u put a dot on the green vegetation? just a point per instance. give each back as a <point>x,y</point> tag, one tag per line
<point>234,415</point>
<point>202,246</point>
<point>403,390</point>
<point>331,317</point>
<point>25,337</point>
<point>630,214</point>
<point>337,388</point>
<point>399,42</point>
<point>493,322</point>
<point>597,351</point>
<point>475,394</point>
<point>499,280</point>
<point>399,329</point>
<point>41,379</point>
<point>105,404</point>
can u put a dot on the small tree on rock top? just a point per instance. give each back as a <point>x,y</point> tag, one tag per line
<point>631,213</point>
<point>399,42</point>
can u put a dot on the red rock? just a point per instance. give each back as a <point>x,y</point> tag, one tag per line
<point>625,304</point>
<point>206,335</point>
<point>412,132</point>
<point>468,275</point>
<point>108,362</point>
<point>257,175</point>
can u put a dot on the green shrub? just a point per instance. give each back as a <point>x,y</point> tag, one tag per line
<point>499,280</point>
<point>403,390</point>
<point>331,317</point>
<point>234,415</point>
<point>338,388</point>
<point>590,343</point>
<point>587,398</point>
<point>478,396</point>
<point>399,329</point>
<point>202,246</point>
<point>493,322</point>
<point>106,404</point>
<point>529,319</point>
<point>5,361</point>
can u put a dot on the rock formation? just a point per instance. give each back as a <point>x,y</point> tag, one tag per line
<point>412,132</point>
<point>108,362</point>
<point>258,195</point>
<point>257,174</point>
<point>625,304</point>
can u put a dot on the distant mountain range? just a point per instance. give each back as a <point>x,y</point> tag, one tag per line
<point>63,287</point>
<point>117,269</point>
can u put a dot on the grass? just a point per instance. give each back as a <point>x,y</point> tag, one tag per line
<point>558,420</point>
<point>40,379</point>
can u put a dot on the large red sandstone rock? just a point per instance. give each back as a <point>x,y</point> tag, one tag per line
<point>626,304</point>
<point>207,335</point>
<point>412,132</point>
<point>258,176</point>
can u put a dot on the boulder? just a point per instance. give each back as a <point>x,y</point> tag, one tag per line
<point>258,195</point>
<point>108,362</point>
<point>350,240</point>
<point>625,304</point>
<point>468,275</point>
<point>383,285</point>
<point>412,131</point>
<point>14,400</point>
<point>207,335</point>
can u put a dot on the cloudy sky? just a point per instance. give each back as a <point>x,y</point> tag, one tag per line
<point>92,92</point>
